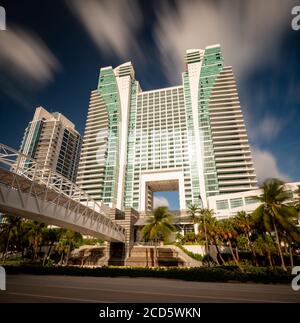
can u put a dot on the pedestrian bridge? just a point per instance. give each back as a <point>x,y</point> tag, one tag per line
<point>33,191</point>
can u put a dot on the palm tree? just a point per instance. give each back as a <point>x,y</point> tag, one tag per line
<point>158,228</point>
<point>23,241</point>
<point>67,242</point>
<point>203,214</point>
<point>229,235</point>
<point>264,246</point>
<point>274,215</point>
<point>35,236</point>
<point>244,224</point>
<point>211,226</point>
<point>62,248</point>
<point>50,236</point>
<point>73,240</point>
<point>9,228</point>
<point>193,210</point>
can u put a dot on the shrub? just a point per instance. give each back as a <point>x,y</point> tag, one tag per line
<point>193,255</point>
<point>202,274</point>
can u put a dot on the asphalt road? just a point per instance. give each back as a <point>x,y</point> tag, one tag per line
<point>28,288</point>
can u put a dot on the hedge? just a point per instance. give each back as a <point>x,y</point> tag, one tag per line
<point>193,255</point>
<point>202,274</point>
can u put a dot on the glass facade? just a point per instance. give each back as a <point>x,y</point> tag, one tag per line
<point>157,137</point>
<point>130,184</point>
<point>108,89</point>
<point>68,158</point>
<point>195,129</point>
<point>51,139</point>
<point>212,64</point>
<point>191,176</point>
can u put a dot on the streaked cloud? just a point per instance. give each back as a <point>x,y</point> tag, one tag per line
<point>160,201</point>
<point>25,58</point>
<point>266,166</point>
<point>250,32</point>
<point>293,92</point>
<point>112,24</point>
<point>267,129</point>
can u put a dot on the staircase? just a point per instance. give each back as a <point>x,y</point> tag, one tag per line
<point>90,256</point>
<point>144,256</point>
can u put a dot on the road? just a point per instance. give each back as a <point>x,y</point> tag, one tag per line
<point>28,288</point>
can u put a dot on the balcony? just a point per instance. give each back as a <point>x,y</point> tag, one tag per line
<point>220,166</point>
<point>249,170</point>
<point>233,176</point>
<point>225,150</point>
<point>233,158</point>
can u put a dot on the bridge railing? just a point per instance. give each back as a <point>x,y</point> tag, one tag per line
<point>27,167</point>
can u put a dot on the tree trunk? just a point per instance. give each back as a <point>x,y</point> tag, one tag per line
<point>35,253</point>
<point>279,247</point>
<point>68,255</point>
<point>233,256</point>
<point>291,256</point>
<point>50,249</point>
<point>270,259</point>
<point>237,253</point>
<point>218,251</point>
<point>61,258</point>
<point>45,256</point>
<point>206,240</point>
<point>252,249</point>
<point>6,246</point>
<point>217,261</point>
<point>155,253</point>
<point>6,250</point>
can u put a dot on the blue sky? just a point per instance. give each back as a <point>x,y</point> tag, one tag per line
<point>52,51</point>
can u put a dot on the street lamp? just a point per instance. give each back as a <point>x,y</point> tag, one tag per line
<point>204,222</point>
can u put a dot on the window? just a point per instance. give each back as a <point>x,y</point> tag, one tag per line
<point>188,228</point>
<point>237,202</point>
<point>222,205</point>
<point>250,200</point>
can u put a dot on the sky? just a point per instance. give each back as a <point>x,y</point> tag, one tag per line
<point>51,53</point>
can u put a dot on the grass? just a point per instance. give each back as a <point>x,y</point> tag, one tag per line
<point>203,274</point>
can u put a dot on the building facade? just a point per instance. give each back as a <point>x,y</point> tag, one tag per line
<point>51,139</point>
<point>189,138</point>
<point>227,205</point>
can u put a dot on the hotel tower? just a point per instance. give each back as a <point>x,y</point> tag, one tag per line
<point>189,138</point>
<point>51,139</point>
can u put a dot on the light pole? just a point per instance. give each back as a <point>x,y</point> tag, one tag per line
<point>204,222</point>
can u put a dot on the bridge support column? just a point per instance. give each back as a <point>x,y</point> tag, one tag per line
<point>127,219</point>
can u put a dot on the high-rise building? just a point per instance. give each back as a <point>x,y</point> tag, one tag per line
<point>189,138</point>
<point>51,139</point>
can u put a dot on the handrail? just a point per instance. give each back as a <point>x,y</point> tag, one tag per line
<point>29,168</point>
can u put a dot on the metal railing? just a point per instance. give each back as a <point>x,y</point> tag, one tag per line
<point>27,167</point>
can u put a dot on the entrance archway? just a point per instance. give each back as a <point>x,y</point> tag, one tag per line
<point>160,181</point>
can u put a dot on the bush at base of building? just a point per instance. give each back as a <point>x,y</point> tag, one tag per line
<point>203,274</point>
